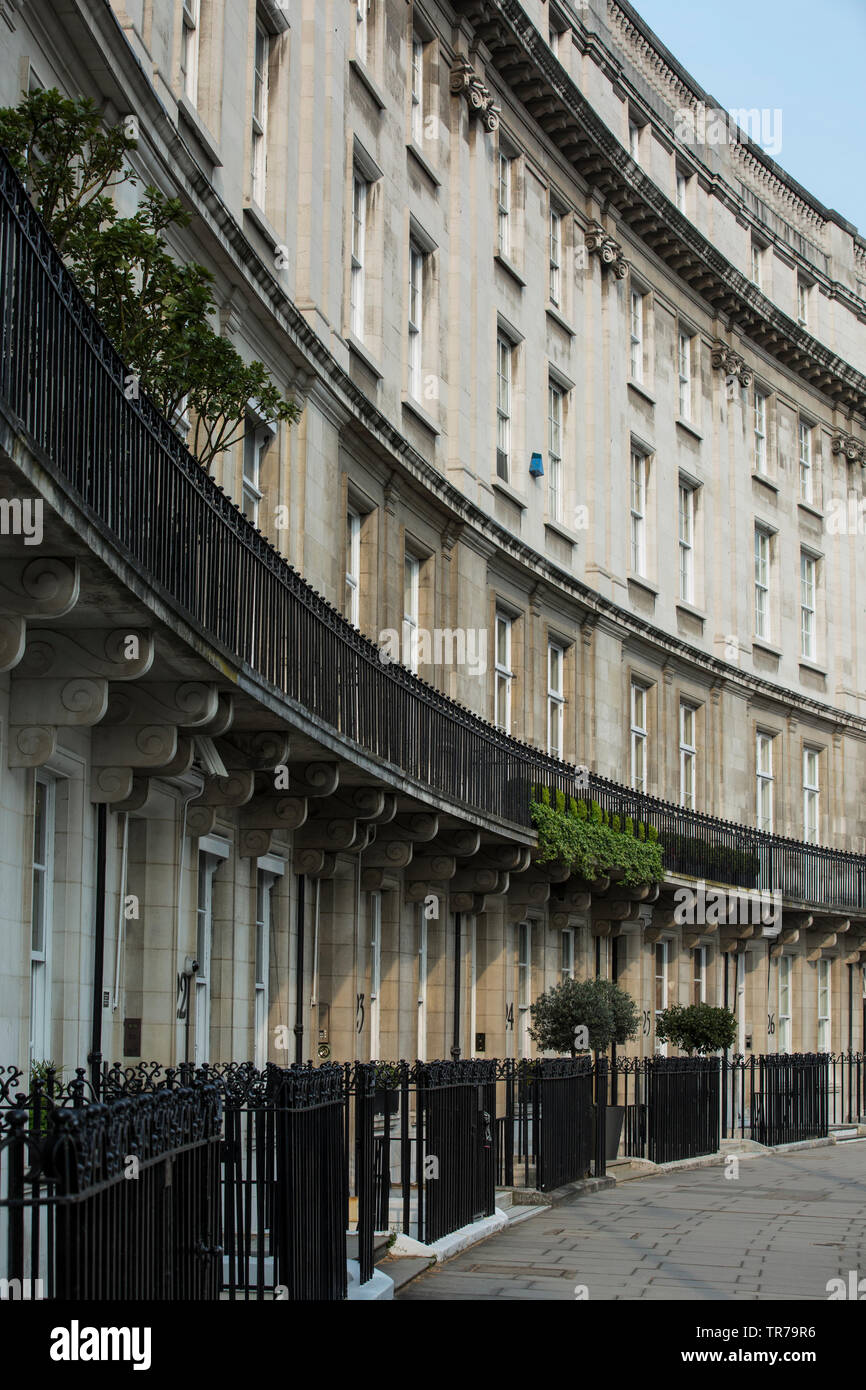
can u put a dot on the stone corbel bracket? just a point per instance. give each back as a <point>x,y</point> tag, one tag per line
<point>724,359</point>
<point>853,449</point>
<point>600,243</point>
<point>465,80</point>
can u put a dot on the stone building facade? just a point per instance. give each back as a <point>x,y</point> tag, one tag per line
<point>583,375</point>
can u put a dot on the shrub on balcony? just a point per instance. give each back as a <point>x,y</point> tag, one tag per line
<point>691,854</point>
<point>600,1007</point>
<point>700,1028</point>
<point>581,835</point>
<point>158,312</point>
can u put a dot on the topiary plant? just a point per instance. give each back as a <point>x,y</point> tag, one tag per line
<point>600,1007</point>
<point>700,1028</point>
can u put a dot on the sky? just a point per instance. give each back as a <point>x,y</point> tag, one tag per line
<point>803,58</point>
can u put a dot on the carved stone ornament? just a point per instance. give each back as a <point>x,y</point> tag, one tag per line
<point>465,79</point>
<point>853,449</point>
<point>731,363</point>
<point>601,243</point>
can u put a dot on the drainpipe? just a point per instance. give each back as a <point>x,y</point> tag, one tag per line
<point>121,914</point>
<point>299,970</point>
<point>94,1057</point>
<point>455,1045</point>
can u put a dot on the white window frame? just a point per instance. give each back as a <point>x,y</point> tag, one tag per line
<point>699,974</point>
<point>422,983</point>
<point>566,954</point>
<point>210,855</point>
<point>804,436</point>
<point>504,196</point>
<point>353,566</point>
<point>259,132</point>
<point>555,416</point>
<point>686,533</point>
<point>504,387</point>
<point>524,986</point>
<point>416,90</point>
<point>808,592</point>
<point>763,562</point>
<point>786,1013</point>
<point>189,48</point>
<point>357,288</point>
<point>411,606</point>
<point>639,734</point>
<point>42,903</point>
<point>688,754</point>
<point>661,984</point>
<point>417,268</point>
<point>803,303</point>
<point>764,781</point>
<point>555,698</point>
<point>257,437</point>
<point>684,372</point>
<point>636,335</point>
<point>375,935</point>
<point>503,672</point>
<point>268,869</point>
<point>757,269</point>
<point>759,417</point>
<point>811,794</point>
<point>825,980</point>
<point>362,31</point>
<point>634,131</point>
<point>555,249</point>
<point>637,493</point>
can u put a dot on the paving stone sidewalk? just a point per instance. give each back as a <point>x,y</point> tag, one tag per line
<point>781,1230</point>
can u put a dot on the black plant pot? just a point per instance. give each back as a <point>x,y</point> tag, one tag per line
<point>383,1097</point>
<point>614,1118</point>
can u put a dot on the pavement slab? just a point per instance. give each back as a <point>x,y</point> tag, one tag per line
<point>781,1230</point>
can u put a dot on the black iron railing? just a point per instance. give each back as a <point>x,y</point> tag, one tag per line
<point>117,1201</point>
<point>313,1158</point>
<point>790,1097</point>
<point>284,1194</point>
<point>60,375</point>
<point>725,852</point>
<point>424,1147</point>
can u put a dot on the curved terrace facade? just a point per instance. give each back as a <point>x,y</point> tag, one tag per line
<point>575,502</point>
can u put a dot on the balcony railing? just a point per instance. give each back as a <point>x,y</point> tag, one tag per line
<point>131,473</point>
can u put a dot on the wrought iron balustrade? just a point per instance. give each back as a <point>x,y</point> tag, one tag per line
<point>130,473</point>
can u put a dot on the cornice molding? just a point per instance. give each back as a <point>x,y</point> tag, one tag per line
<point>524,63</point>
<point>306,351</point>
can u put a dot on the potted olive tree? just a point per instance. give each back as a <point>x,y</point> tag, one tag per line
<point>578,1016</point>
<point>697,1028</point>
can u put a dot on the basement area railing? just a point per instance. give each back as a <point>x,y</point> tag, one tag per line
<point>131,473</point>
<point>268,1184</point>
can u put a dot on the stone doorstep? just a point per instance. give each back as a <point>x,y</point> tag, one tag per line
<point>402,1269</point>
<point>531,1197</point>
<point>843,1133</point>
<point>381,1241</point>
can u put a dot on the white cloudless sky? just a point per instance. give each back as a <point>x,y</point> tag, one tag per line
<point>806,58</point>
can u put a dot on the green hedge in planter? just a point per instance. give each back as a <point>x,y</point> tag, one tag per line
<point>690,854</point>
<point>591,842</point>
